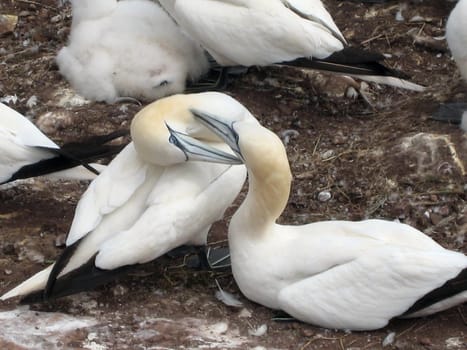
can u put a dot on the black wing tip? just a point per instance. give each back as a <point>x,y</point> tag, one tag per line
<point>450,112</point>
<point>449,289</point>
<point>352,61</point>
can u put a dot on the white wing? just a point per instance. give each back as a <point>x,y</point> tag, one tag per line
<point>186,201</point>
<point>25,132</point>
<point>315,11</point>
<point>365,293</point>
<point>109,191</point>
<point>259,32</point>
<point>19,139</point>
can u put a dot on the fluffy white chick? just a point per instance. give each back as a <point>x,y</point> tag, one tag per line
<point>128,48</point>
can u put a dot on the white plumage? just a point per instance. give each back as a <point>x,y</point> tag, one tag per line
<point>335,274</point>
<point>23,144</point>
<point>257,32</point>
<point>148,200</point>
<point>129,48</point>
<point>265,32</point>
<point>456,35</point>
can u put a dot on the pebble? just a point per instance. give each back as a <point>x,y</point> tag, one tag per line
<point>389,339</point>
<point>327,154</point>
<point>60,240</point>
<point>425,341</point>
<point>324,196</point>
<point>119,290</point>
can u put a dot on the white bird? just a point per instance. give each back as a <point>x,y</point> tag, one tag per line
<point>264,32</point>
<point>456,35</point>
<point>148,201</point>
<point>128,48</point>
<point>26,152</point>
<point>334,274</point>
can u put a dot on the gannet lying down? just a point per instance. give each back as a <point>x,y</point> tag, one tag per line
<point>456,35</point>
<point>148,201</point>
<point>129,48</point>
<point>264,32</point>
<point>335,274</point>
<point>26,152</point>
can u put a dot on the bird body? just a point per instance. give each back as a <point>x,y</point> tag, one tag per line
<point>258,32</point>
<point>290,32</point>
<point>335,274</point>
<point>129,48</point>
<point>26,152</point>
<point>456,35</point>
<point>147,202</point>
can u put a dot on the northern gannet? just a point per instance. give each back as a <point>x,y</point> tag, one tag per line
<point>264,32</point>
<point>26,152</point>
<point>456,35</point>
<point>334,274</point>
<point>128,48</point>
<point>148,201</point>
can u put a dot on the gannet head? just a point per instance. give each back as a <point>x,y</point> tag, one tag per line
<point>166,131</point>
<point>259,148</point>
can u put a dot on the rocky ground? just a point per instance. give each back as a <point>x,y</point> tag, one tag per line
<point>377,156</point>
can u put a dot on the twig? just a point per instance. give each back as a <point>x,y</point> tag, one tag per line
<point>316,145</point>
<point>462,315</point>
<point>371,39</point>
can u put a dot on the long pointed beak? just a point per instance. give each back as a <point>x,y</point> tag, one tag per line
<point>196,150</point>
<point>222,129</point>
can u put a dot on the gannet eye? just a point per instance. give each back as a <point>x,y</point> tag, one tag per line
<point>163,83</point>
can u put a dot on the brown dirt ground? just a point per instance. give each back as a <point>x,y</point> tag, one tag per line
<point>344,146</point>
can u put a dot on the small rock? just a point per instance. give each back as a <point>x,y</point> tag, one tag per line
<point>435,218</point>
<point>327,154</point>
<point>56,18</point>
<point>60,240</point>
<point>244,313</point>
<point>259,332</point>
<point>425,341</point>
<point>8,272</point>
<point>119,290</point>
<point>8,23</point>
<point>308,332</point>
<point>389,339</point>
<point>324,196</point>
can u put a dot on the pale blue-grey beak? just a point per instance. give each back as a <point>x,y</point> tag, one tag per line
<point>222,129</point>
<point>197,150</point>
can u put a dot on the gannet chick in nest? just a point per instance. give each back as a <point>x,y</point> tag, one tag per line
<point>128,48</point>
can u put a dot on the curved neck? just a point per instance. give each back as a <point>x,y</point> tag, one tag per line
<point>266,200</point>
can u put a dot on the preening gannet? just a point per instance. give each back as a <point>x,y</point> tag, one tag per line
<point>148,201</point>
<point>334,274</point>
<point>26,152</point>
<point>264,32</point>
<point>456,35</point>
<point>128,48</point>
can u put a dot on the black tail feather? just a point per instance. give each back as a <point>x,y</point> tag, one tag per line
<point>73,154</point>
<point>86,277</point>
<point>351,61</point>
<point>450,112</point>
<point>452,287</point>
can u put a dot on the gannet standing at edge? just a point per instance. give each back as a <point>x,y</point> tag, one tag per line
<point>456,36</point>
<point>148,201</point>
<point>291,32</point>
<point>334,274</point>
<point>26,152</point>
<point>129,48</point>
